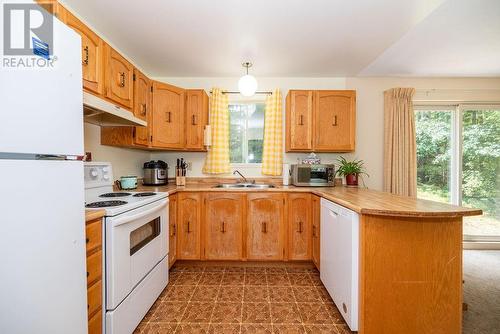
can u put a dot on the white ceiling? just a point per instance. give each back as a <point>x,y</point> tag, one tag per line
<point>301,38</point>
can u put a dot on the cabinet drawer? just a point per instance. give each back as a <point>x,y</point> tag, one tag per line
<point>94,267</point>
<point>93,235</point>
<point>95,323</point>
<point>94,298</point>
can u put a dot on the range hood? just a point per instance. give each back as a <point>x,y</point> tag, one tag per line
<point>103,113</point>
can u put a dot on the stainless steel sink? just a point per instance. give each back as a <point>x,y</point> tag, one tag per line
<point>244,185</point>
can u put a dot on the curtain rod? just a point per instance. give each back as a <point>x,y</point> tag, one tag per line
<point>236,92</point>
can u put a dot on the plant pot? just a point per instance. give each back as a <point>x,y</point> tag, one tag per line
<point>351,179</point>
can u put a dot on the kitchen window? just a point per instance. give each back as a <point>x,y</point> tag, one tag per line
<point>246,132</point>
<point>458,162</point>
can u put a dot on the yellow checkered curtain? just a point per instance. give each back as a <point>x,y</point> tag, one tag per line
<point>217,161</point>
<point>272,156</point>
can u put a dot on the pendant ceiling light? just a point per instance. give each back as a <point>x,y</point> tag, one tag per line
<point>247,84</point>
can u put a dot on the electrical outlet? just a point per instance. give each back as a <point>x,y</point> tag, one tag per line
<point>189,165</point>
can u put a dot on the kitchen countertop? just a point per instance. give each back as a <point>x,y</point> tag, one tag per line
<point>93,215</point>
<point>361,200</point>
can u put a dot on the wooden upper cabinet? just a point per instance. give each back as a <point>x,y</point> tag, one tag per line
<point>265,226</point>
<point>224,219</point>
<point>316,210</point>
<point>118,77</point>
<point>172,230</point>
<point>189,215</point>
<point>92,53</point>
<point>299,227</point>
<point>142,106</point>
<point>335,120</point>
<point>196,118</point>
<point>54,8</point>
<point>168,116</point>
<point>299,120</point>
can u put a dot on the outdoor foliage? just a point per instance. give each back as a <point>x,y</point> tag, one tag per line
<point>481,157</point>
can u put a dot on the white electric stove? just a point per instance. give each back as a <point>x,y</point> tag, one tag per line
<point>135,244</point>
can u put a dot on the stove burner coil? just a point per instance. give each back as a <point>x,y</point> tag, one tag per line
<point>115,195</point>
<point>105,204</point>
<point>144,194</point>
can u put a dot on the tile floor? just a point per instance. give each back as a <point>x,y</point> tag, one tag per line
<point>243,298</point>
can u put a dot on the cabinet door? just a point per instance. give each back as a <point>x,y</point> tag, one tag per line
<point>142,106</point>
<point>196,118</point>
<point>224,217</point>
<point>172,230</point>
<point>265,226</point>
<point>92,53</point>
<point>188,238</point>
<point>299,227</point>
<point>119,78</point>
<point>168,116</point>
<point>334,119</point>
<point>299,120</point>
<point>316,210</point>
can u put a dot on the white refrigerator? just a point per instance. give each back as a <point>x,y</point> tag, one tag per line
<point>42,218</point>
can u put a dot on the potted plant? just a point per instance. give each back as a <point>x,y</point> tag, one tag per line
<point>351,170</point>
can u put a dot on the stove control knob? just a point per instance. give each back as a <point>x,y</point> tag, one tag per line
<point>105,177</point>
<point>93,173</point>
<point>105,169</point>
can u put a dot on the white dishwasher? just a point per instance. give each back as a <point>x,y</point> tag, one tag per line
<point>339,258</point>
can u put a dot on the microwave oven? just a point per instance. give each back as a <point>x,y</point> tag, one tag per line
<point>306,175</point>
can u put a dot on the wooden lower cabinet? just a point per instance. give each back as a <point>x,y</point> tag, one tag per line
<point>316,216</point>
<point>224,215</point>
<point>265,226</point>
<point>93,234</point>
<point>189,223</point>
<point>172,230</point>
<point>299,227</point>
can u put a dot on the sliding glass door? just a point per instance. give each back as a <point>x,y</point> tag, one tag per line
<point>458,162</point>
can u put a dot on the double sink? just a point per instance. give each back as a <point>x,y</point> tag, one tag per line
<point>244,186</point>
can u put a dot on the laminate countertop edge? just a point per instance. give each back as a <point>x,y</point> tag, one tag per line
<point>91,215</point>
<point>360,200</point>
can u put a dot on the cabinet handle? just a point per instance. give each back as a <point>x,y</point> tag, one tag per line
<point>335,121</point>
<point>168,116</point>
<point>122,79</point>
<point>301,120</point>
<point>143,109</point>
<point>189,227</point>
<point>300,227</point>
<point>314,231</point>
<point>193,120</point>
<point>87,240</point>
<point>86,60</point>
<point>264,227</point>
<point>223,227</point>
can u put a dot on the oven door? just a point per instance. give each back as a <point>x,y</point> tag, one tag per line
<point>136,241</point>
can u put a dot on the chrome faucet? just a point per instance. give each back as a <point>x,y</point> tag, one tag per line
<point>243,177</point>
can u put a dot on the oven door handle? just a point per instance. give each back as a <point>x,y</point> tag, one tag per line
<point>127,219</point>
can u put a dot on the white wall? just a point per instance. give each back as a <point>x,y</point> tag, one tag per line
<point>370,109</point>
<point>369,118</point>
<point>265,84</point>
<point>124,161</point>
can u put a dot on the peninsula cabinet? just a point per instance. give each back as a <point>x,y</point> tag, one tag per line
<point>189,223</point>
<point>320,121</point>
<point>265,226</point>
<point>168,130</point>
<point>118,76</point>
<point>299,226</point>
<point>172,230</point>
<point>223,223</point>
<point>196,119</point>
<point>316,215</point>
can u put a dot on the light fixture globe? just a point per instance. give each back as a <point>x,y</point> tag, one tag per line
<point>247,85</point>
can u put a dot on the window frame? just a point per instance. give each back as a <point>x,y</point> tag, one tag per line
<point>456,159</point>
<point>237,99</point>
